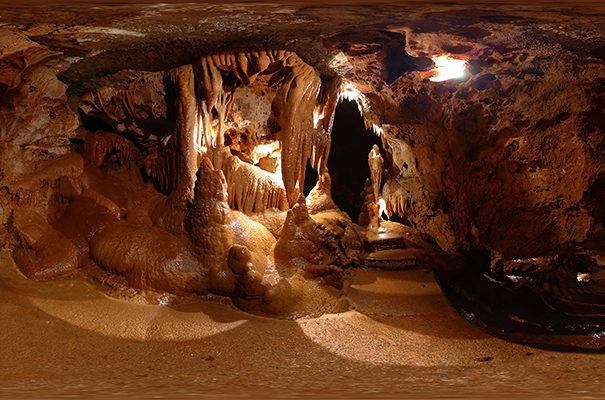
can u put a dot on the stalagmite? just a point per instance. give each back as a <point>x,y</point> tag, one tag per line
<point>214,229</point>
<point>369,209</point>
<point>209,218</point>
<point>310,245</point>
<point>320,198</point>
<point>376,164</point>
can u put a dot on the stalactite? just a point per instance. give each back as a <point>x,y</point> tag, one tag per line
<point>395,200</point>
<point>328,100</point>
<point>117,104</point>
<point>300,94</point>
<point>127,109</point>
<point>156,168</point>
<point>180,150</point>
<point>19,54</point>
<point>203,93</point>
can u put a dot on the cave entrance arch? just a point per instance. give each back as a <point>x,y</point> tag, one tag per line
<point>348,159</point>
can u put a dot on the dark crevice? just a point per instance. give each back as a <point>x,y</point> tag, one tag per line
<point>94,124</point>
<point>348,161</point>
<point>310,179</point>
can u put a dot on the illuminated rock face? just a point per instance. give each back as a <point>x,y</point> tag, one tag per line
<point>177,159</point>
<point>188,236</point>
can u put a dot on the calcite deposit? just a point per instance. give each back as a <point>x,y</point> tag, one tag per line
<point>186,148</point>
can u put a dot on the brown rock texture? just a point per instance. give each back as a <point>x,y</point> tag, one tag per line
<point>507,159</point>
<point>35,121</point>
<point>171,144</point>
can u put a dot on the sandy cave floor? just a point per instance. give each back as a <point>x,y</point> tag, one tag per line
<point>65,339</point>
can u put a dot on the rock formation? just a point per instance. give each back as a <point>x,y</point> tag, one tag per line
<point>183,165</point>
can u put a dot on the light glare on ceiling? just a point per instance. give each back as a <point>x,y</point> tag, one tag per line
<point>448,67</point>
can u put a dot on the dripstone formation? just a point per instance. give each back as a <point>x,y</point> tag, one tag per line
<point>188,158</point>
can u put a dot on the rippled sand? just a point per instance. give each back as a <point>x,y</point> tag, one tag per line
<point>66,339</point>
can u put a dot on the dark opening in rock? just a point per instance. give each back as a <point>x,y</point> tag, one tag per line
<point>348,162</point>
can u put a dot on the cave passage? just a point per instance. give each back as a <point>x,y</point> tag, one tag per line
<point>348,161</point>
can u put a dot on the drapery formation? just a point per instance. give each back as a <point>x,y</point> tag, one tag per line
<point>198,96</point>
<point>300,94</point>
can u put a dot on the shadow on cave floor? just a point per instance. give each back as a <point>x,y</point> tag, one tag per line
<point>97,346</point>
<point>374,294</point>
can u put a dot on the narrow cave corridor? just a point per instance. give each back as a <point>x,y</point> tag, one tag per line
<point>348,161</point>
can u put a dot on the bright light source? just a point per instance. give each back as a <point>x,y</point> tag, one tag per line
<point>199,143</point>
<point>447,67</point>
<point>382,208</point>
<point>197,134</point>
<point>350,92</point>
<point>265,150</point>
<point>212,134</point>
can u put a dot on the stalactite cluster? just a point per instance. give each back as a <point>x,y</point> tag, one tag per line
<point>202,232</point>
<point>299,95</point>
<point>126,108</point>
<point>397,203</point>
<point>304,106</point>
<point>192,178</point>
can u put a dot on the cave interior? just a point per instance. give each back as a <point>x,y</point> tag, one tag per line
<point>264,176</point>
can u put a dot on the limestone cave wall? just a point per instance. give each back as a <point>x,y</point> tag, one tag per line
<point>509,159</point>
